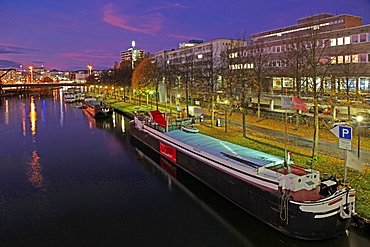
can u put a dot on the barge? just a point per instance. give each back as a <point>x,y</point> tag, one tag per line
<point>292,199</point>
<point>97,109</point>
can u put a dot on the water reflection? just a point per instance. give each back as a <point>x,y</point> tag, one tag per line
<point>103,123</point>
<point>33,116</point>
<point>34,173</point>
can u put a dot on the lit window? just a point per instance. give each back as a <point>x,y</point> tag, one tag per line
<point>340,59</point>
<point>347,40</point>
<point>333,42</point>
<point>340,41</point>
<point>347,59</point>
<point>200,56</point>
<point>354,58</point>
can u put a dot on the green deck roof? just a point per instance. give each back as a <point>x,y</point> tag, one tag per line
<point>235,153</point>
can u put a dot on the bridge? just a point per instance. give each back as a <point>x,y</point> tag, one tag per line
<point>25,87</point>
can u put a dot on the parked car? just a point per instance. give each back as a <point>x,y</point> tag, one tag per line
<point>328,111</point>
<point>340,122</point>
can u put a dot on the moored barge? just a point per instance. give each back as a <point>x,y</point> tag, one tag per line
<point>97,109</point>
<point>292,199</point>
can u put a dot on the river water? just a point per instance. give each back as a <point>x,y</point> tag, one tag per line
<point>69,180</point>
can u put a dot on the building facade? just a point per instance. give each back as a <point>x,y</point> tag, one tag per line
<point>342,48</point>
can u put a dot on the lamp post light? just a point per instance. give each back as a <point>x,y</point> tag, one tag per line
<point>147,97</point>
<point>90,68</point>
<point>151,100</point>
<point>359,120</point>
<point>31,71</point>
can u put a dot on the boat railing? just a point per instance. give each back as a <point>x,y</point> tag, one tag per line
<point>157,121</point>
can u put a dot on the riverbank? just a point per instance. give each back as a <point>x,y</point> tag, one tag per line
<point>267,143</point>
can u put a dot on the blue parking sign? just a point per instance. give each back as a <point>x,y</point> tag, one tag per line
<point>345,132</point>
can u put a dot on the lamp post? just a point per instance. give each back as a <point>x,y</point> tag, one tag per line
<point>90,68</point>
<point>31,79</point>
<point>147,96</point>
<point>151,100</point>
<point>359,120</point>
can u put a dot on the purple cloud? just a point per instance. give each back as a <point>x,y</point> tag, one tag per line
<point>4,49</point>
<point>145,23</point>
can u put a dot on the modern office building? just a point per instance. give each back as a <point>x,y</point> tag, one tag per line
<point>132,54</point>
<point>197,49</point>
<point>342,43</point>
<point>196,53</point>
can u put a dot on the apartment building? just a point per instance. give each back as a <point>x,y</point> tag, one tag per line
<point>344,38</point>
<point>195,51</point>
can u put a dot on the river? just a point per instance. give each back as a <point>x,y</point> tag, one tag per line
<point>67,179</point>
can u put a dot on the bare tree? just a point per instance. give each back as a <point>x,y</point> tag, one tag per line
<point>315,69</point>
<point>185,65</point>
<point>207,67</point>
<point>346,67</point>
<point>236,62</point>
<point>294,67</point>
<point>259,57</point>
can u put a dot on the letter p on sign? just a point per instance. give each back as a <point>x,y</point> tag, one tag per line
<point>345,132</point>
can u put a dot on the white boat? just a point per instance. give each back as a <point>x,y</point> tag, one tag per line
<point>69,97</point>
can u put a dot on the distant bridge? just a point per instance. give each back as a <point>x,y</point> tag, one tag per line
<point>24,87</point>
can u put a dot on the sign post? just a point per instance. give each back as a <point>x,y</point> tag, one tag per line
<point>344,134</point>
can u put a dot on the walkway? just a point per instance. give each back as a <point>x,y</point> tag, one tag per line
<point>325,147</point>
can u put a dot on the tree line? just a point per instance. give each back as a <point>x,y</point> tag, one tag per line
<point>230,77</point>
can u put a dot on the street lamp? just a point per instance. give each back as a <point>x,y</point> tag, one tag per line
<point>359,119</point>
<point>90,68</point>
<point>178,109</point>
<point>147,96</point>
<point>151,100</point>
<point>31,68</point>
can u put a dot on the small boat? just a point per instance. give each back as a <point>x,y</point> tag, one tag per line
<point>69,97</point>
<point>97,109</point>
<point>189,129</point>
<point>290,198</point>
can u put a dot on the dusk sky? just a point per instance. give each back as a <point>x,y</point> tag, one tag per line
<point>69,35</point>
